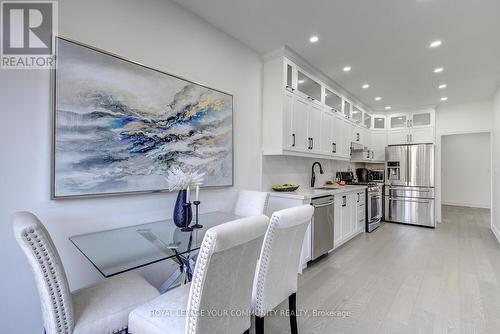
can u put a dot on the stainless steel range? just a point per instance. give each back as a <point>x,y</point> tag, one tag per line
<point>374,195</point>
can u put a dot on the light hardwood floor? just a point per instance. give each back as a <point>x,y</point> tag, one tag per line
<point>406,279</point>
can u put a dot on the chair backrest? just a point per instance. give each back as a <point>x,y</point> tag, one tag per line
<point>51,281</point>
<point>277,271</point>
<point>223,277</point>
<point>251,203</point>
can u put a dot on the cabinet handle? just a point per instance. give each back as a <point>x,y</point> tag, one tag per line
<point>334,148</point>
<point>312,143</point>
<point>293,138</point>
<point>344,201</point>
<point>357,136</point>
<point>358,197</point>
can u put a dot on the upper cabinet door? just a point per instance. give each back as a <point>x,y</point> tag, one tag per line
<point>398,121</point>
<point>379,122</point>
<point>308,86</point>
<point>314,118</point>
<point>421,119</point>
<point>327,146</point>
<point>300,108</point>
<point>333,100</point>
<point>347,109</point>
<point>368,121</point>
<point>338,134</point>
<point>356,114</point>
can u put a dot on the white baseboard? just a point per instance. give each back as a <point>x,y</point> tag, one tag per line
<point>468,205</point>
<point>495,231</point>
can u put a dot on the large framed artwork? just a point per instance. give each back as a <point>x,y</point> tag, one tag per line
<point>119,126</point>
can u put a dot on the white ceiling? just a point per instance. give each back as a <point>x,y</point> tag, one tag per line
<point>385,41</point>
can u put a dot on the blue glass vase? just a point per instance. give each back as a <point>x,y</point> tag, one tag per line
<point>181,211</point>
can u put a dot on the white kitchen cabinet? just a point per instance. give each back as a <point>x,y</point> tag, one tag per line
<point>361,211</point>
<point>309,87</point>
<point>346,109</point>
<point>422,135</point>
<point>379,122</point>
<point>378,144</point>
<point>346,217</point>
<point>304,117</point>
<point>314,118</point>
<point>299,121</point>
<point>398,137</point>
<point>357,115</point>
<point>339,135</point>
<point>367,120</point>
<point>415,127</point>
<point>333,100</point>
<point>327,142</point>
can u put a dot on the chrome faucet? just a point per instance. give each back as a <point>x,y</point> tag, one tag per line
<point>313,174</point>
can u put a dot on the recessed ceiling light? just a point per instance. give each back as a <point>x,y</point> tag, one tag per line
<point>378,98</point>
<point>438,70</point>
<point>443,86</point>
<point>388,108</point>
<point>435,44</point>
<point>365,86</point>
<point>347,68</point>
<point>300,81</point>
<point>444,99</point>
<point>314,39</point>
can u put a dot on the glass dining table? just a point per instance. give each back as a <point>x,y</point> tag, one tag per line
<point>116,251</point>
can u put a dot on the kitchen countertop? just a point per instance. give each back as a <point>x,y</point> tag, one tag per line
<point>308,193</point>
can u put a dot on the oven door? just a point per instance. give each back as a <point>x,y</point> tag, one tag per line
<point>374,206</point>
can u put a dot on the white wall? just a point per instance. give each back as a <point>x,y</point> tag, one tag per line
<point>496,166</point>
<point>456,119</point>
<point>157,33</point>
<point>466,170</point>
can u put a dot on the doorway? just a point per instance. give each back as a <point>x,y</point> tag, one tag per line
<point>466,170</point>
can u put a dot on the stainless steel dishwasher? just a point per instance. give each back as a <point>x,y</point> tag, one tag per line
<point>322,226</point>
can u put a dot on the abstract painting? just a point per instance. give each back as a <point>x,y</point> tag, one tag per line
<point>119,126</point>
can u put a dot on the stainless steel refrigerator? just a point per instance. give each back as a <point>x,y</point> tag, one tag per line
<point>409,185</point>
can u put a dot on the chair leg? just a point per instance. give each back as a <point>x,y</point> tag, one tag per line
<point>292,305</point>
<point>259,325</point>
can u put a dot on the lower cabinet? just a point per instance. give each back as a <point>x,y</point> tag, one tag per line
<point>349,217</point>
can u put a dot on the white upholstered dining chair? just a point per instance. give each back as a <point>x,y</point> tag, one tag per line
<point>276,275</point>
<point>251,203</point>
<point>100,308</point>
<point>222,284</point>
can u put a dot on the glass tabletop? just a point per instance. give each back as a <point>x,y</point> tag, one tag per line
<point>119,250</point>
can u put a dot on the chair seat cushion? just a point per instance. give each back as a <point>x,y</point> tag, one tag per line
<point>104,307</point>
<point>163,315</point>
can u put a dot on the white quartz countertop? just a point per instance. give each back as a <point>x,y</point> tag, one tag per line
<point>308,193</point>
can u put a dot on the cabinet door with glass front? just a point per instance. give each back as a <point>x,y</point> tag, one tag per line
<point>421,119</point>
<point>346,109</point>
<point>379,122</point>
<point>367,120</point>
<point>308,86</point>
<point>357,115</point>
<point>398,121</point>
<point>333,100</point>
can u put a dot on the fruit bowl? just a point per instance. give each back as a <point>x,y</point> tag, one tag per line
<point>285,187</point>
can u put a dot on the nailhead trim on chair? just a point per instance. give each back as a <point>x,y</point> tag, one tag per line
<point>62,321</point>
<point>264,263</point>
<point>199,277</point>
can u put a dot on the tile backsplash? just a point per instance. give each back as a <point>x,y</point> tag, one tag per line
<point>297,170</point>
